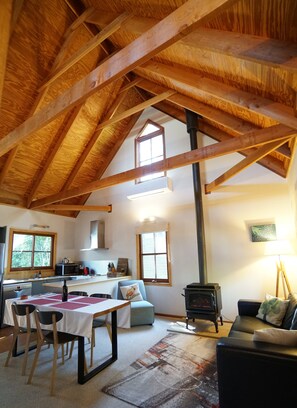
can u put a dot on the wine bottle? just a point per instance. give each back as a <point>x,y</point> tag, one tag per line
<point>64,292</point>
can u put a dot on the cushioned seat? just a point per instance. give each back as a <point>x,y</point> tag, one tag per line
<point>142,311</point>
<point>249,324</point>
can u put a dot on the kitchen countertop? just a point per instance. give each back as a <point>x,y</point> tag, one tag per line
<point>46,278</point>
<point>86,280</point>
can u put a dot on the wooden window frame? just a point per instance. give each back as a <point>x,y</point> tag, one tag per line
<point>141,138</point>
<point>156,282</point>
<point>14,231</point>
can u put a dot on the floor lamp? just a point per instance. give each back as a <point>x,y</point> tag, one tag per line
<point>279,248</point>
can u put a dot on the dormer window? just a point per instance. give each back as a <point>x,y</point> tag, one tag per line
<point>150,148</point>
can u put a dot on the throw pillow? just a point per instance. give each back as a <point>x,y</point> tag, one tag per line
<point>294,321</point>
<point>276,336</point>
<point>287,322</point>
<point>273,310</point>
<point>131,292</point>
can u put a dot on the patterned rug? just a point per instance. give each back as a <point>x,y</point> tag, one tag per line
<point>177,372</point>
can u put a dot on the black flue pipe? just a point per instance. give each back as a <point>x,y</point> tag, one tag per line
<point>192,128</point>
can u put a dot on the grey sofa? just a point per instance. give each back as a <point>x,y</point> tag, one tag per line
<point>142,311</point>
<point>253,374</point>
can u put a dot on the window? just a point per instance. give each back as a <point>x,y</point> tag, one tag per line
<point>153,256</point>
<point>31,250</point>
<point>150,148</point>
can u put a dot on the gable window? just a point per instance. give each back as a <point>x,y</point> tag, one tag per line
<point>31,250</point>
<point>150,148</point>
<point>153,256</point>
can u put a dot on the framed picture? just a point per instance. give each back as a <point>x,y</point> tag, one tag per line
<point>263,232</point>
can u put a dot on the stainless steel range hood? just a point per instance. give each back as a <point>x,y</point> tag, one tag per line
<point>97,236</point>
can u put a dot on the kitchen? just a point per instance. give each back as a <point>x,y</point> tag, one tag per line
<point>94,276</point>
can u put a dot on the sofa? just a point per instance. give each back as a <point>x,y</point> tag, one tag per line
<point>257,362</point>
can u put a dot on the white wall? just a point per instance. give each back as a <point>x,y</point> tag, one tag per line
<point>238,265</point>
<point>14,217</point>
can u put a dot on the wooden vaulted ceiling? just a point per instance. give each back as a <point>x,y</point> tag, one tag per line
<point>75,75</point>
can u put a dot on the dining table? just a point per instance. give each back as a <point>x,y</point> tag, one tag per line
<point>78,314</point>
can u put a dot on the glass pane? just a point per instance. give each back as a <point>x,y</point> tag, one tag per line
<point>149,128</point>
<point>148,243</point>
<point>43,243</point>
<point>157,146</point>
<point>21,260</point>
<point>22,242</point>
<point>149,267</point>
<point>42,259</point>
<point>160,238</point>
<point>161,266</point>
<point>145,150</point>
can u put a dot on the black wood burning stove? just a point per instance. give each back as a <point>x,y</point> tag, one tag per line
<point>203,301</point>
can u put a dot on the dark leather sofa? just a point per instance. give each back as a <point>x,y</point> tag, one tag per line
<point>253,374</point>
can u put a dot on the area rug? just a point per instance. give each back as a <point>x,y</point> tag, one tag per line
<point>177,372</point>
<point>202,328</point>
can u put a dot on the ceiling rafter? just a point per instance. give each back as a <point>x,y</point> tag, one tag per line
<point>233,126</point>
<point>264,51</point>
<point>120,140</point>
<point>110,113</point>
<point>73,207</point>
<point>252,103</point>
<point>53,150</point>
<point>88,47</point>
<point>5,28</point>
<point>252,139</point>
<point>137,108</point>
<point>252,158</point>
<point>177,24</point>
<point>208,129</point>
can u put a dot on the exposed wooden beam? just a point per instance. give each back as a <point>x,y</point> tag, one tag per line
<point>136,109</point>
<point>261,50</point>
<point>5,27</point>
<point>83,51</point>
<point>17,8</point>
<point>70,207</point>
<point>243,164</point>
<point>271,163</point>
<point>256,138</point>
<point>82,158</point>
<point>55,147</point>
<point>189,16</point>
<point>113,152</point>
<point>233,125</point>
<point>81,19</point>
<point>224,93</point>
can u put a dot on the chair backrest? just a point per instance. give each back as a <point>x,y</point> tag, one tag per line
<point>22,310</point>
<point>129,283</point>
<point>78,293</point>
<point>50,317</point>
<point>101,295</point>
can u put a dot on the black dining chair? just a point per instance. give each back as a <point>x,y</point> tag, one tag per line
<point>54,337</point>
<point>18,311</point>
<point>98,322</point>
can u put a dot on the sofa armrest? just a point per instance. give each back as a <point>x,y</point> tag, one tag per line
<point>255,374</point>
<point>247,307</point>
